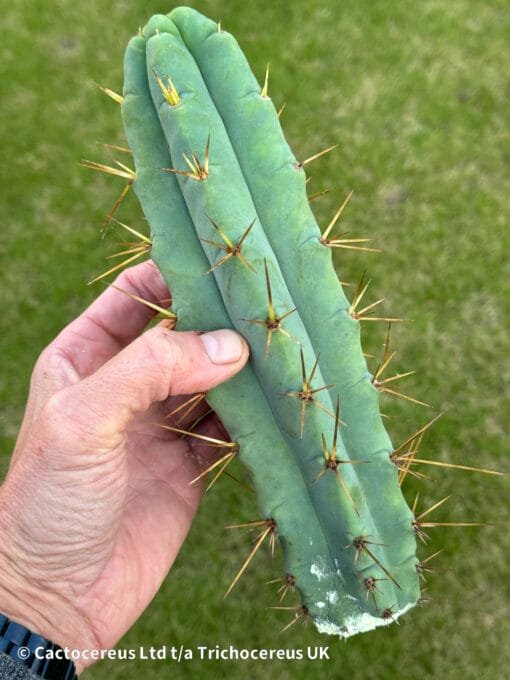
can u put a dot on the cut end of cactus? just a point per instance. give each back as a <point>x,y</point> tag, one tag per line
<point>362,623</point>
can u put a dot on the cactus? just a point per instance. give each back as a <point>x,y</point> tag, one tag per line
<point>234,236</point>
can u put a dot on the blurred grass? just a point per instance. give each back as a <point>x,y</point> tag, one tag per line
<point>417,96</point>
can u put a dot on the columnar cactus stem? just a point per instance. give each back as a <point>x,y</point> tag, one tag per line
<point>234,236</point>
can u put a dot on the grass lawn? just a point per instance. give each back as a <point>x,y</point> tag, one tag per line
<point>416,94</point>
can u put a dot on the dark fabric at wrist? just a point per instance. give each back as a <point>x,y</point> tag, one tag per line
<point>11,669</point>
<point>39,656</point>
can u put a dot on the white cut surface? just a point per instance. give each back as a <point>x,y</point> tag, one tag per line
<point>357,624</point>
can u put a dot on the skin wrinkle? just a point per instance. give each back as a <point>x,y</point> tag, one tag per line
<point>103,605</point>
<point>134,494</point>
<point>59,360</point>
<point>175,359</point>
<point>32,552</point>
<point>63,408</point>
<point>30,601</point>
<point>35,601</point>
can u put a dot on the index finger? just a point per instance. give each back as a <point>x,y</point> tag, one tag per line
<point>113,320</point>
<point>108,325</point>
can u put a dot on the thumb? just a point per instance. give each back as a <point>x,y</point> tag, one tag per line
<point>156,365</point>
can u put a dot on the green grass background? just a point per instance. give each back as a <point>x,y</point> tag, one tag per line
<point>417,96</point>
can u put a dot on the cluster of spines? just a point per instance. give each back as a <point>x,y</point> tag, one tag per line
<point>402,457</point>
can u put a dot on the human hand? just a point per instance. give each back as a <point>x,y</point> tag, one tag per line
<point>97,500</point>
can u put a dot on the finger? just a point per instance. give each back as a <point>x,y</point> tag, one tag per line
<point>111,322</point>
<point>158,364</point>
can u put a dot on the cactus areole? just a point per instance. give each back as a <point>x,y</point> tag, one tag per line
<point>234,236</point>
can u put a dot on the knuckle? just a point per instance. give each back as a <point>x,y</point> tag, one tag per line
<point>53,415</point>
<point>162,355</point>
<point>44,361</point>
<point>126,279</point>
<point>54,362</point>
<point>135,279</point>
<point>176,354</point>
<point>55,406</point>
<point>68,420</point>
<point>163,348</point>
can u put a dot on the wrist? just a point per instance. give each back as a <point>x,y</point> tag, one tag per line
<point>43,611</point>
<point>37,654</point>
<point>39,614</point>
<point>34,591</point>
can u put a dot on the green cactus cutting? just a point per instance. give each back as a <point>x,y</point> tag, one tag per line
<point>234,236</point>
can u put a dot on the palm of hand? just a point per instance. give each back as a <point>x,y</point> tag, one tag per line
<point>139,543</point>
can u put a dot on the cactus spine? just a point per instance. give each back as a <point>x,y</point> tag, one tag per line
<point>234,236</point>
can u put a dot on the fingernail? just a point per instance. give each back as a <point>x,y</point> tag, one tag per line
<point>223,347</point>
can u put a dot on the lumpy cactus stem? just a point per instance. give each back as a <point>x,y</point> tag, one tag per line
<point>234,236</point>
